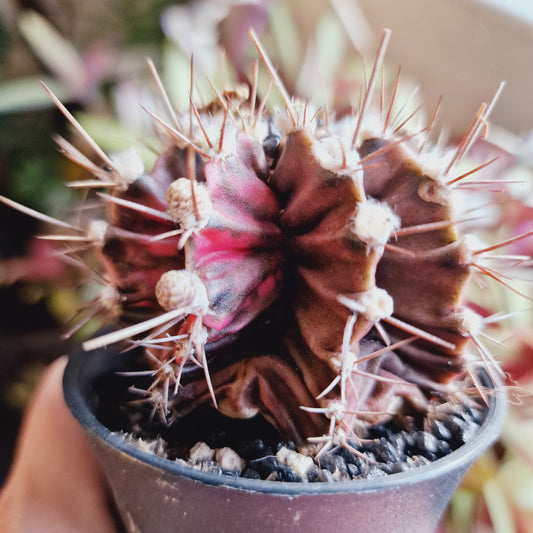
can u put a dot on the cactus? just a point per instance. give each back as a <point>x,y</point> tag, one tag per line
<point>311,264</point>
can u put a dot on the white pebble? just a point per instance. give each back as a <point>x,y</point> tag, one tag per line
<point>201,452</point>
<point>229,460</point>
<point>301,464</point>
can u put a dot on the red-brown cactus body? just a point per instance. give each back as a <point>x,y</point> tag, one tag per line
<point>315,231</point>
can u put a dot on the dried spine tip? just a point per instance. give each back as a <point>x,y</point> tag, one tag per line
<point>180,289</point>
<point>189,203</point>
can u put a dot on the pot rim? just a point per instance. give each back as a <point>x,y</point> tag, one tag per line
<point>461,458</point>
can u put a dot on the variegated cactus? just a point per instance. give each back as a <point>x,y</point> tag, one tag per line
<point>311,264</point>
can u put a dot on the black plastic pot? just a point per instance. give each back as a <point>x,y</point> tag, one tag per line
<point>155,495</point>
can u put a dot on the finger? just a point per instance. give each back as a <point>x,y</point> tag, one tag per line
<point>55,485</point>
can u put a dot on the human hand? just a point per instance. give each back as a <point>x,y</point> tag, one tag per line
<point>54,485</point>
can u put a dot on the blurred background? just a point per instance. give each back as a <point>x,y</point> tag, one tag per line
<point>93,56</point>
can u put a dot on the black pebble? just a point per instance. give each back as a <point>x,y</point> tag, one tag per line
<point>398,442</point>
<point>374,472</point>
<point>477,414</point>
<point>401,466</point>
<point>443,449</point>
<point>333,463</point>
<point>249,450</point>
<point>250,474</point>
<point>455,425</point>
<point>388,448</point>
<point>313,473</point>
<point>289,445</point>
<point>265,466</point>
<point>379,430</point>
<point>426,442</point>
<point>286,473</point>
<point>325,476</point>
<point>441,431</point>
<point>353,470</point>
<point>469,431</point>
<point>385,451</point>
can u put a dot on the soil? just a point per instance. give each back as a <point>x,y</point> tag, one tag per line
<point>209,441</point>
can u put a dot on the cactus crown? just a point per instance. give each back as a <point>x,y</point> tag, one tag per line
<point>331,239</point>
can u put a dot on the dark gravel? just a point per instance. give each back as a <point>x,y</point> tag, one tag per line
<point>403,443</point>
<point>387,448</point>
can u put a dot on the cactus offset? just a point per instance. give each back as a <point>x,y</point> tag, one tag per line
<point>329,243</point>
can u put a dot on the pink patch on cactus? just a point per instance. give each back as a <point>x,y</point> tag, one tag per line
<point>238,254</point>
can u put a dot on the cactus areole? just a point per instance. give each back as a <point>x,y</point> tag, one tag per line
<point>329,242</point>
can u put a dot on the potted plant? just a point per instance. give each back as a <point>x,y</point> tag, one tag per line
<point>300,267</point>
